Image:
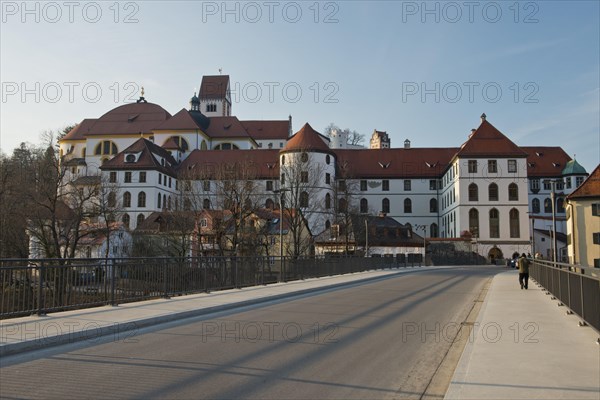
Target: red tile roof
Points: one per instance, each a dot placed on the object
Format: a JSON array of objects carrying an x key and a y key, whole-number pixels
[
  {"x": 180, "y": 121},
  {"x": 545, "y": 161},
  {"x": 129, "y": 119},
  {"x": 263, "y": 130},
  {"x": 307, "y": 139},
  {"x": 146, "y": 160},
  {"x": 226, "y": 127},
  {"x": 214, "y": 86},
  {"x": 590, "y": 188},
  {"x": 80, "y": 131},
  {"x": 487, "y": 141},
  {"x": 258, "y": 164},
  {"x": 394, "y": 163}
]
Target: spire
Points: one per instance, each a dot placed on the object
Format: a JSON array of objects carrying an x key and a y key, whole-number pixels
[
  {"x": 195, "y": 103},
  {"x": 483, "y": 117},
  {"x": 142, "y": 99}
]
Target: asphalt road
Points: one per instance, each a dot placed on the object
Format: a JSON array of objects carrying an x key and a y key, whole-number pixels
[{"x": 371, "y": 341}]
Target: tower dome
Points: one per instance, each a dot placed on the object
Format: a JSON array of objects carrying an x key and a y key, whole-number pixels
[{"x": 573, "y": 168}]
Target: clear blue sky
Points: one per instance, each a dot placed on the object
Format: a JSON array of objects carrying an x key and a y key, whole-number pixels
[{"x": 423, "y": 71}]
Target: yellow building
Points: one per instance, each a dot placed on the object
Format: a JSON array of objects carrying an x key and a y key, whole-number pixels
[{"x": 583, "y": 222}]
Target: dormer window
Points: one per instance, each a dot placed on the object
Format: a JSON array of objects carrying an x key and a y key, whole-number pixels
[{"x": 130, "y": 158}]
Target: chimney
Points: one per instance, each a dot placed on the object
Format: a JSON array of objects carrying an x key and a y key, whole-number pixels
[
  {"x": 407, "y": 144},
  {"x": 290, "y": 126}
]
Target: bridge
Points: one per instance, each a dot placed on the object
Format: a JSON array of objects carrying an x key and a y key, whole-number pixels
[{"x": 381, "y": 330}]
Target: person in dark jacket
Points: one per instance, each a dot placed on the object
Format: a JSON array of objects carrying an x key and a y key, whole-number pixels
[{"x": 523, "y": 263}]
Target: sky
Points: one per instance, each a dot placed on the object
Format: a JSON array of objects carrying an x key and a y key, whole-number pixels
[{"x": 423, "y": 71}]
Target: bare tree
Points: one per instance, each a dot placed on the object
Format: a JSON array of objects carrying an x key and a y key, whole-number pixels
[{"x": 354, "y": 138}]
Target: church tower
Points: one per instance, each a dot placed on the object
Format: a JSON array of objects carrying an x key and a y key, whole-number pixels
[{"x": 215, "y": 96}]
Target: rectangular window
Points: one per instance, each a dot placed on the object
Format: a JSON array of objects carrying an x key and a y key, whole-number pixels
[
  {"x": 203, "y": 223},
  {"x": 112, "y": 177},
  {"x": 596, "y": 209},
  {"x": 170, "y": 181},
  {"x": 492, "y": 166},
  {"x": 596, "y": 262},
  {"x": 407, "y": 185},
  {"x": 534, "y": 184},
  {"x": 327, "y": 179},
  {"x": 547, "y": 185},
  {"x": 512, "y": 165},
  {"x": 385, "y": 185},
  {"x": 342, "y": 185},
  {"x": 127, "y": 177},
  {"x": 206, "y": 186},
  {"x": 270, "y": 185},
  {"x": 160, "y": 179},
  {"x": 568, "y": 182},
  {"x": 560, "y": 185},
  {"x": 432, "y": 184},
  {"x": 578, "y": 181},
  {"x": 596, "y": 237},
  {"x": 283, "y": 179},
  {"x": 304, "y": 176},
  {"x": 363, "y": 186},
  {"x": 472, "y": 166},
  {"x": 142, "y": 176}
]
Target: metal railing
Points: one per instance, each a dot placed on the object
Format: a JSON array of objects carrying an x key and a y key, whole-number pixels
[
  {"x": 575, "y": 286},
  {"x": 48, "y": 285}
]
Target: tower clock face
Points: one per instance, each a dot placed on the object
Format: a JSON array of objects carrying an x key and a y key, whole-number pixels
[{"x": 130, "y": 158}]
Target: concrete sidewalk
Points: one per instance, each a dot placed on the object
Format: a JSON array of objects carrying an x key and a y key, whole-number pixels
[
  {"x": 27, "y": 333},
  {"x": 524, "y": 346}
]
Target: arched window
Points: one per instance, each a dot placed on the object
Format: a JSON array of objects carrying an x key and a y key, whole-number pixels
[
  {"x": 535, "y": 206},
  {"x": 494, "y": 223},
  {"x": 433, "y": 205},
  {"x": 141, "y": 199},
  {"x": 140, "y": 219},
  {"x": 407, "y": 206},
  {"x": 126, "y": 199},
  {"x": 169, "y": 202},
  {"x": 493, "y": 192},
  {"x": 203, "y": 145},
  {"x": 474, "y": 222},
  {"x": 327, "y": 159},
  {"x": 327, "y": 224},
  {"x": 164, "y": 201},
  {"x": 364, "y": 206},
  {"x": 179, "y": 141},
  {"x": 342, "y": 205},
  {"x": 514, "y": 223},
  {"x": 547, "y": 205},
  {"x": 226, "y": 146},
  {"x": 269, "y": 204},
  {"x": 159, "y": 202},
  {"x": 105, "y": 148},
  {"x": 327, "y": 201},
  {"x": 513, "y": 192},
  {"x": 125, "y": 220},
  {"x": 473, "y": 192},
  {"x": 112, "y": 199},
  {"x": 560, "y": 205},
  {"x": 303, "y": 199},
  {"x": 385, "y": 205},
  {"x": 433, "y": 230},
  {"x": 206, "y": 204}
]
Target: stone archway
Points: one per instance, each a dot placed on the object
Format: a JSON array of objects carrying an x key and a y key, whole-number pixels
[{"x": 495, "y": 254}]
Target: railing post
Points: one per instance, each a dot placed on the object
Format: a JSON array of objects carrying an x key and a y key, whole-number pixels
[
  {"x": 165, "y": 279},
  {"x": 40, "y": 310},
  {"x": 113, "y": 284}
]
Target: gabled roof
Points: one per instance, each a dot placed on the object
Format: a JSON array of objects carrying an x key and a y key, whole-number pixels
[
  {"x": 307, "y": 139},
  {"x": 185, "y": 120},
  {"x": 146, "y": 159},
  {"x": 210, "y": 164},
  {"x": 165, "y": 222},
  {"x": 487, "y": 141},
  {"x": 214, "y": 86},
  {"x": 393, "y": 163},
  {"x": 264, "y": 130},
  {"x": 590, "y": 188},
  {"x": 545, "y": 161},
  {"x": 226, "y": 127}
]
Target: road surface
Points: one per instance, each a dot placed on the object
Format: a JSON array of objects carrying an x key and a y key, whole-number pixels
[{"x": 378, "y": 340}]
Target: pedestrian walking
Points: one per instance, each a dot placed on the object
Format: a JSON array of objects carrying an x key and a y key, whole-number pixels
[{"x": 523, "y": 263}]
